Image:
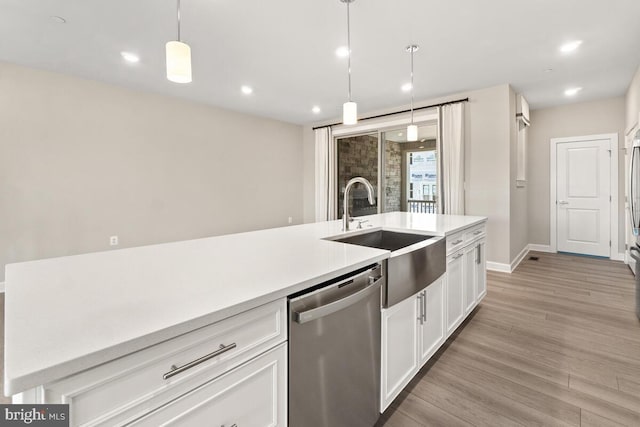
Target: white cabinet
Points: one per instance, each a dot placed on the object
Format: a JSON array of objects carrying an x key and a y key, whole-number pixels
[
  {"x": 481, "y": 270},
  {"x": 253, "y": 394},
  {"x": 412, "y": 331},
  {"x": 455, "y": 291},
  {"x": 399, "y": 347},
  {"x": 466, "y": 282},
  {"x": 137, "y": 385},
  {"x": 469, "y": 278},
  {"x": 431, "y": 329}
]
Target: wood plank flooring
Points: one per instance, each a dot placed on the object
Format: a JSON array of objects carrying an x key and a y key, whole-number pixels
[{"x": 556, "y": 343}]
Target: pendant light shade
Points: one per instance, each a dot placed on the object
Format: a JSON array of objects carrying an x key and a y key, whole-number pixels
[
  {"x": 350, "y": 113},
  {"x": 412, "y": 130},
  {"x": 178, "y": 62},
  {"x": 412, "y": 133},
  {"x": 178, "y": 58},
  {"x": 350, "y": 108}
]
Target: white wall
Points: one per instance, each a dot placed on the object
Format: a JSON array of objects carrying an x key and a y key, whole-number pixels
[
  {"x": 633, "y": 102},
  {"x": 487, "y": 170},
  {"x": 81, "y": 161},
  {"x": 587, "y": 118}
]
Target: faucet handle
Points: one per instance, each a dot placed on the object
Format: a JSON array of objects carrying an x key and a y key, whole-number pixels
[{"x": 362, "y": 221}]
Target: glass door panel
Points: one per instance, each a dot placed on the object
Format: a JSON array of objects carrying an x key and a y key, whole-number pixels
[
  {"x": 410, "y": 171},
  {"x": 357, "y": 156}
]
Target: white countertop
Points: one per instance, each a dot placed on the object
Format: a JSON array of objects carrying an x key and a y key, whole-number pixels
[{"x": 64, "y": 315}]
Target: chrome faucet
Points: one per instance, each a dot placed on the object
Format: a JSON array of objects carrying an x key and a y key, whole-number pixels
[{"x": 345, "y": 204}]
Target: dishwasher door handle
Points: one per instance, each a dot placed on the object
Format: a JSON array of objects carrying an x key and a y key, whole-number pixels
[{"x": 302, "y": 317}]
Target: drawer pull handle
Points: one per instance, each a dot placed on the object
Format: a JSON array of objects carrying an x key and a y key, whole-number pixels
[
  {"x": 477, "y": 232},
  {"x": 457, "y": 242},
  {"x": 457, "y": 256},
  {"x": 175, "y": 370}
]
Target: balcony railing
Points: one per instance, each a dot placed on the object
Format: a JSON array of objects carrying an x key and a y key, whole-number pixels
[{"x": 421, "y": 206}]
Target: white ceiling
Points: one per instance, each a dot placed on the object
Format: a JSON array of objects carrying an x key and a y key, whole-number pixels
[{"x": 285, "y": 49}]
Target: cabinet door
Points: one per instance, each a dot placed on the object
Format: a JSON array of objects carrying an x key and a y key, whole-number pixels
[
  {"x": 254, "y": 394},
  {"x": 454, "y": 286},
  {"x": 432, "y": 330},
  {"x": 469, "y": 278},
  {"x": 481, "y": 270},
  {"x": 399, "y": 348}
]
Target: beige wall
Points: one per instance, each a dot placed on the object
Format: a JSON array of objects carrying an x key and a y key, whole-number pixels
[
  {"x": 587, "y": 118},
  {"x": 518, "y": 201},
  {"x": 81, "y": 161},
  {"x": 487, "y": 168},
  {"x": 633, "y": 102}
]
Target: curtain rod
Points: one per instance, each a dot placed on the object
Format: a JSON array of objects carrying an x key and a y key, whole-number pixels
[{"x": 399, "y": 112}]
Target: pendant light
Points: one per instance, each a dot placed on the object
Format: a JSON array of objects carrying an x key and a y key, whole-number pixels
[
  {"x": 349, "y": 108},
  {"x": 178, "y": 58},
  {"x": 412, "y": 130}
]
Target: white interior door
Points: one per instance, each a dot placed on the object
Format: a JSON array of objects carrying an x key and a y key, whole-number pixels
[{"x": 584, "y": 197}]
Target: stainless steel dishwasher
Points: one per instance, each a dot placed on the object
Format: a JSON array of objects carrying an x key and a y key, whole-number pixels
[{"x": 334, "y": 352}]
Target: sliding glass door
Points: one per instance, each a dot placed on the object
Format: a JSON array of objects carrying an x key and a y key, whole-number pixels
[
  {"x": 357, "y": 156},
  {"x": 405, "y": 175},
  {"x": 410, "y": 171}
]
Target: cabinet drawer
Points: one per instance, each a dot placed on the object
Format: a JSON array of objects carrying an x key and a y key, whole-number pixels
[
  {"x": 474, "y": 233},
  {"x": 253, "y": 394},
  {"x": 131, "y": 386},
  {"x": 455, "y": 242}
]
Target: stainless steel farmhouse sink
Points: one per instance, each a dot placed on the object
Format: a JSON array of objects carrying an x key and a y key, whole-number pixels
[{"x": 416, "y": 260}]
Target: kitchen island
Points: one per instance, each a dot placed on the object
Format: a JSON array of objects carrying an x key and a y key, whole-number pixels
[{"x": 65, "y": 316}]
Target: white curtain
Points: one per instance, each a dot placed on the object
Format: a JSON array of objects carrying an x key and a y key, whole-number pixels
[
  {"x": 326, "y": 191},
  {"x": 451, "y": 148}
]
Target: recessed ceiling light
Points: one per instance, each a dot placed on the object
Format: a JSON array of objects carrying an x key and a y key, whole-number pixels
[
  {"x": 423, "y": 139},
  {"x": 247, "y": 90},
  {"x": 422, "y": 146},
  {"x": 573, "y": 91},
  {"x": 130, "y": 57},
  {"x": 571, "y": 46},
  {"x": 342, "y": 52},
  {"x": 315, "y": 109},
  {"x": 58, "y": 19},
  {"x": 406, "y": 87}
]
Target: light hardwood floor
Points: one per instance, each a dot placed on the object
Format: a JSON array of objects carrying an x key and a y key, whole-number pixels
[{"x": 557, "y": 342}]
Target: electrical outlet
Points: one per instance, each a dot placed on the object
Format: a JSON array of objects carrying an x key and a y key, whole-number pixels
[
  {"x": 113, "y": 240},
  {"x": 290, "y": 220}
]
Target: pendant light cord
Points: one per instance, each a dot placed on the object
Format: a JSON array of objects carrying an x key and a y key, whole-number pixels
[
  {"x": 348, "y": 47},
  {"x": 179, "y": 20},
  {"x": 412, "y": 50}
]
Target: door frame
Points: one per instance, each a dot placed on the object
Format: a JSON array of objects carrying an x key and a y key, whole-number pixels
[{"x": 614, "y": 209}]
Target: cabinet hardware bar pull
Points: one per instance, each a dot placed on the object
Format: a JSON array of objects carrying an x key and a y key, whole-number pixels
[
  {"x": 175, "y": 370},
  {"x": 478, "y": 255},
  {"x": 420, "y": 317},
  {"x": 457, "y": 242},
  {"x": 458, "y": 256},
  {"x": 424, "y": 306},
  {"x": 477, "y": 232}
]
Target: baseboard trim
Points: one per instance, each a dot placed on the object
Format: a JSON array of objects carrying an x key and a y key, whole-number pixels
[
  {"x": 499, "y": 267},
  {"x": 523, "y": 253},
  {"x": 619, "y": 257},
  {"x": 508, "y": 268},
  {"x": 540, "y": 248}
]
